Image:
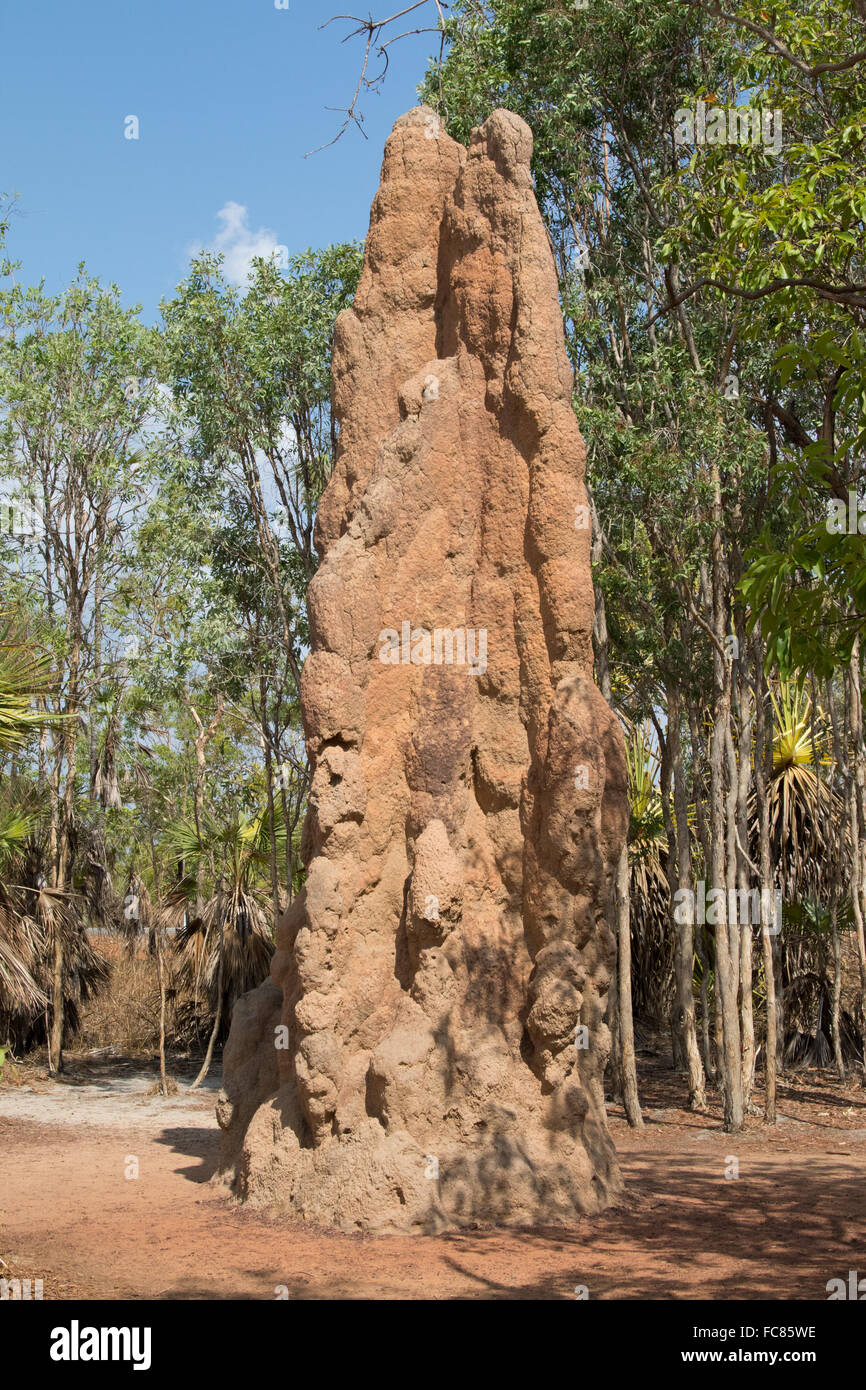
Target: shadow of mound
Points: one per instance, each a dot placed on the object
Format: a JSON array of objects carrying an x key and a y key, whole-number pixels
[{"x": 195, "y": 1142}]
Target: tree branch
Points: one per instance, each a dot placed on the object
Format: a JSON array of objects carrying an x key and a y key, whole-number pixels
[
  {"x": 810, "y": 69},
  {"x": 373, "y": 28},
  {"x": 836, "y": 294}
]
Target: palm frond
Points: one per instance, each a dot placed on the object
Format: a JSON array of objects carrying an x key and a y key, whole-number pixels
[
  {"x": 809, "y": 835},
  {"x": 25, "y": 677},
  {"x": 240, "y": 920},
  {"x": 21, "y": 941}
]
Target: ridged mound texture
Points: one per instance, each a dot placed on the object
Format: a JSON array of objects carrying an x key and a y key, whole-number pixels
[{"x": 429, "y": 1052}]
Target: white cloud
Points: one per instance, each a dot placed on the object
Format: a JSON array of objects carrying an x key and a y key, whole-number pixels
[{"x": 239, "y": 243}]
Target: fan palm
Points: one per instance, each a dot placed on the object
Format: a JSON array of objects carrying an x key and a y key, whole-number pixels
[
  {"x": 25, "y": 676},
  {"x": 31, "y": 914},
  {"x": 21, "y": 938},
  {"x": 241, "y": 920},
  {"x": 226, "y": 950}
]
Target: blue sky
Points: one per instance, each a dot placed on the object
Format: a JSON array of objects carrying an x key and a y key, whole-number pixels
[{"x": 229, "y": 95}]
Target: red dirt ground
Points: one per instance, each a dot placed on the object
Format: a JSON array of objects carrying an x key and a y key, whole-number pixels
[{"x": 793, "y": 1219}]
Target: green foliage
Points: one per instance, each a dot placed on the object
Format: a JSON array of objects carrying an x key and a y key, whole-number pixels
[
  {"x": 781, "y": 235},
  {"x": 177, "y": 471},
  {"x": 25, "y": 677}
]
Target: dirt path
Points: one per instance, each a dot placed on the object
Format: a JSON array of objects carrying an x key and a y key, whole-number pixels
[{"x": 793, "y": 1218}]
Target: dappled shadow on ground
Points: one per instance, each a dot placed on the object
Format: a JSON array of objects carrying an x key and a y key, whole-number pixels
[
  {"x": 662, "y": 1086},
  {"x": 800, "y": 1094},
  {"x": 793, "y": 1218},
  {"x": 779, "y": 1231},
  {"x": 769, "y": 1234}
]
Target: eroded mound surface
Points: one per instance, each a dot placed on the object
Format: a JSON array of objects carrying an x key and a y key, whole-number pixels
[{"x": 441, "y": 980}]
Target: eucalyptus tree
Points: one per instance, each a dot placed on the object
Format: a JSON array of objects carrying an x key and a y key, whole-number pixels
[
  {"x": 786, "y": 254},
  {"x": 78, "y": 388},
  {"x": 250, "y": 373}
]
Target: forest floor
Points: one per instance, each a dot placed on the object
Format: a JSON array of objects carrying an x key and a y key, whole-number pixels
[{"x": 793, "y": 1218}]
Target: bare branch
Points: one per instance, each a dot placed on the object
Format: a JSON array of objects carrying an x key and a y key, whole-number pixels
[{"x": 374, "y": 29}]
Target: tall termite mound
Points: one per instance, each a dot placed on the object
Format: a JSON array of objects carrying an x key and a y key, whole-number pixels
[{"x": 431, "y": 1046}]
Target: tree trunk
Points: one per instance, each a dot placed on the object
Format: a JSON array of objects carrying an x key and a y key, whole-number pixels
[
  {"x": 631, "y": 1101},
  {"x": 727, "y": 961},
  {"x": 208, "y": 1057},
  {"x": 836, "y": 996},
  {"x": 858, "y": 823},
  {"x": 63, "y": 863},
  {"x": 55, "y": 1041},
  {"x": 163, "y": 1083},
  {"x": 763, "y": 770},
  {"x": 709, "y": 1060},
  {"x": 615, "y": 1063},
  {"x": 623, "y": 1063},
  {"x": 744, "y": 768},
  {"x": 272, "y": 828},
  {"x": 706, "y": 1035},
  {"x": 842, "y": 766},
  {"x": 685, "y": 953},
  {"x": 202, "y": 739}
]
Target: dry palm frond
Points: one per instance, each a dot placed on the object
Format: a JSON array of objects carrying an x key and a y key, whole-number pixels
[
  {"x": 226, "y": 950},
  {"x": 804, "y": 984},
  {"x": 39, "y": 915},
  {"x": 247, "y": 945},
  {"x": 106, "y": 788},
  {"x": 93, "y": 878},
  {"x": 241, "y": 920},
  {"x": 20, "y": 935},
  {"x": 653, "y": 944},
  {"x": 25, "y": 676},
  {"x": 58, "y": 910},
  {"x": 21, "y": 941}
]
